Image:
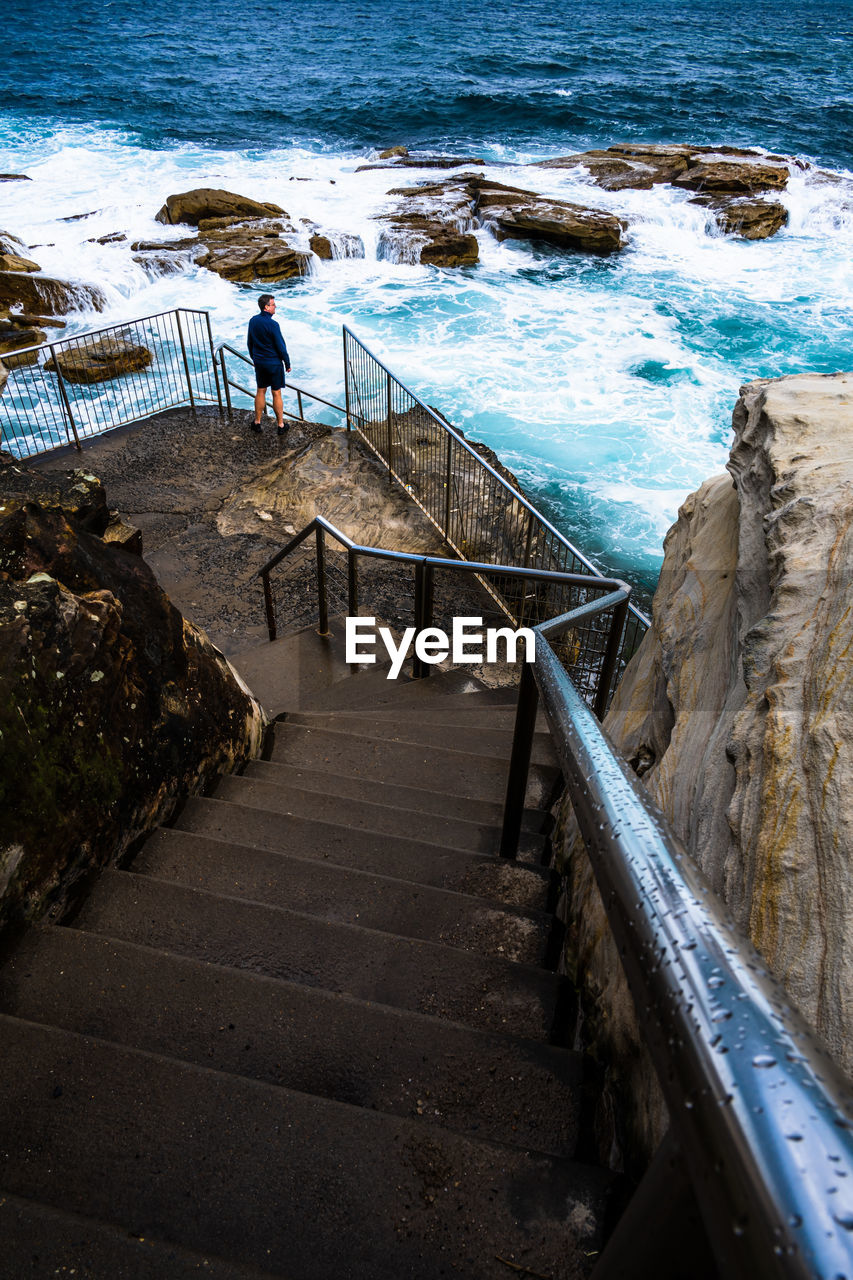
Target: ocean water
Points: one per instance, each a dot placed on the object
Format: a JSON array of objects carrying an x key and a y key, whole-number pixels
[{"x": 606, "y": 385}]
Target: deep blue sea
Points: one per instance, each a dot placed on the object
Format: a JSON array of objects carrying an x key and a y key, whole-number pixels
[{"x": 606, "y": 385}]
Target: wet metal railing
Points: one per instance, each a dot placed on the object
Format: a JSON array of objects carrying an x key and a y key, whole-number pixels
[
  {"x": 761, "y": 1124},
  {"x": 64, "y": 391},
  {"x": 478, "y": 512},
  {"x": 425, "y": 567}
]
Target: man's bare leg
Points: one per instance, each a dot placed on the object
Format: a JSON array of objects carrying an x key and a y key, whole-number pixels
[
  {"x": 261, "y": 402},
  {"x": 278, "y": 408}
]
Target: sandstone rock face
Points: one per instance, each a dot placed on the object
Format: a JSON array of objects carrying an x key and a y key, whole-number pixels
[
  {"x": 207, "y": 202},
  {"x": 725, "y": 177},
  {"x": 737, "y": 709},
  {"x": 435, "y": 221},
  {"x": 100, "y": 360},
  {"x": 12, "y": 262},
  {"x": 46, "y": 295},
  {"x": 111, "y": 705},
  {"x": 748, "y": 219},
  {"x": 13, "y": 337},
  {"x": 735, "y": 177}
]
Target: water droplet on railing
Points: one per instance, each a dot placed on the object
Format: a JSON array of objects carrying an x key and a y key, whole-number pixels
[
  {"x": 795, "y": 1220},
  {"x": 721, "y": 1015},
  {"x": 714, "y": 983},
  {"x": 764, "y": 1060},
  {"x": 844, "y": 1218}
]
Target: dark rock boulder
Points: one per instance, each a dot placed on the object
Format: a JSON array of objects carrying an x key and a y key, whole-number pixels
[
  {"x": 242, "y": 246},
  {"x": 44, "y": 294},
  {"x": 260, "y": 257},
  {"x": 402, "y": 158},
  {"x": 12, "y": 262},
  {"x": 15, "y": 177},
  {"x": 112, "y": 706},
  {"x": 207, "y": 202},
  {"x": 101, "y": 360}
]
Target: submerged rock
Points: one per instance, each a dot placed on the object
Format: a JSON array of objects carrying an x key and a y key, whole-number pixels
[
  {"x": 736, "y": 710},
  {"x": 208, "y": 202},
  {"x": 112, "y": 706},
  {"x": 100, "y": 360}
]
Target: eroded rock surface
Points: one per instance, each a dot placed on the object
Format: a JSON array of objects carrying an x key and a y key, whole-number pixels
[
  {"x": 727, "y": 179},
  {"x": 111, "y": 704},
  {"x": 737, "y": 710},
  {"x": 433, "y": 222},
  {"x": 100, "y": 359}
]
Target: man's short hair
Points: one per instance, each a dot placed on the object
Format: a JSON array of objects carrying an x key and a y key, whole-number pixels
[{"x": 264, "y": 299}]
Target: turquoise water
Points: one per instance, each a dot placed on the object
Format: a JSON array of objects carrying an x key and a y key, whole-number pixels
[{"x": 608, "y": 386}]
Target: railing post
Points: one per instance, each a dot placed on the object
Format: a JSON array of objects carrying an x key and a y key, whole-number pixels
[
  {"x": 299, "y": 405},
  {"x": 213, "y": 361},
  {"x": 424, "y": 582},
  {"x": 321, "y": 581},
  {"x": 389, "y": 429},
  {"x": 448, "y": 484},
  {"x": 184, "y": 354},
  {"x": 269, "y": 605},
  {"x": 225, "y": 382},
  {"x": 352, "y": 584},
  {"x": 608, "y": 662},
  {"x": 528, "y": 541},
  {"x": 519, "y": 765},
  {"x": 66, "y": 403},
  {"x": 346, "y": 383}
]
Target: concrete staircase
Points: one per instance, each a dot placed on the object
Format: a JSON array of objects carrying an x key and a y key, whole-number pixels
[{"x": 312, "y": 1028}]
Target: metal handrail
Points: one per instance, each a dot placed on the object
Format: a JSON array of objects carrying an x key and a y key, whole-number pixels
[
  {"x": 525, "y": 524},
  {"x": 761, "y": 1116},
  {"x": 426, "y": 566},
  {"x": 228, "y": 383},
  {"x": 44, "y": 407}
]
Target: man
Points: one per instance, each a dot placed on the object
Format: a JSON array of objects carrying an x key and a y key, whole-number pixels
[{"x": 267, "y": 349}]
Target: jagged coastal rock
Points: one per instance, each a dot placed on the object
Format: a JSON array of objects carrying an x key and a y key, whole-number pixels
[
  {"x": 23, "y": 286},
  {"x": 721, "y": 177},
  {"x": 101, "y": 360},
  {"x": 112, "y": 705},
  {"x": 433, "y": 222},
  {"x": 737, "y": 709}
]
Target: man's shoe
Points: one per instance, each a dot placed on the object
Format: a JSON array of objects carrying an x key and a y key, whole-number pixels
[
  {"x": 256, "y": 426},
  {"x": 282, "y": 431}
]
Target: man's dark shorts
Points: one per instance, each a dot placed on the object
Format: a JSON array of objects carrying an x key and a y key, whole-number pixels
[{"x": 270, "y": 375}]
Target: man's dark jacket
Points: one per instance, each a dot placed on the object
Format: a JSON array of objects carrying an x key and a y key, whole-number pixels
[{"x": 265, "y": 343}]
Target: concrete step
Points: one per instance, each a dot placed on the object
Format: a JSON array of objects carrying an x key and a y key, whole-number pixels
[
  {"x": 458, "y": 773},
  {"x": 290, "y": 1184},
  {"x": 479, "y": 991},
  {"x": 347, "y": 896},
  {"x": 39, "y": 1241},
  {"x": 408, "y": 726},
  {"x": 361, "y": 815},
  {"x": 414, "y": 799},
  {"x": 516, "y": 884},
  {"x": 514, "y": 1091},
  {"x": 442, "y": 688},
  {"x": 468, "y": 711}
]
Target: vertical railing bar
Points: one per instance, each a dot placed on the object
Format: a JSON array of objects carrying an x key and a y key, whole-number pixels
[
  {"x": 519, "y": 765},
  {"x": 184, "y": 354},
  {"x": 321, "y": 581},
  {"x": 65, "y": 401},
  {"x": 269, "y": 604},
  {"x": 213, "y": 361},
  {"x": 352, "y": 584}
]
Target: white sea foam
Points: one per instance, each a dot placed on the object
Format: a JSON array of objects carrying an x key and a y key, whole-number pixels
[{"x": 609, "y": 384}]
